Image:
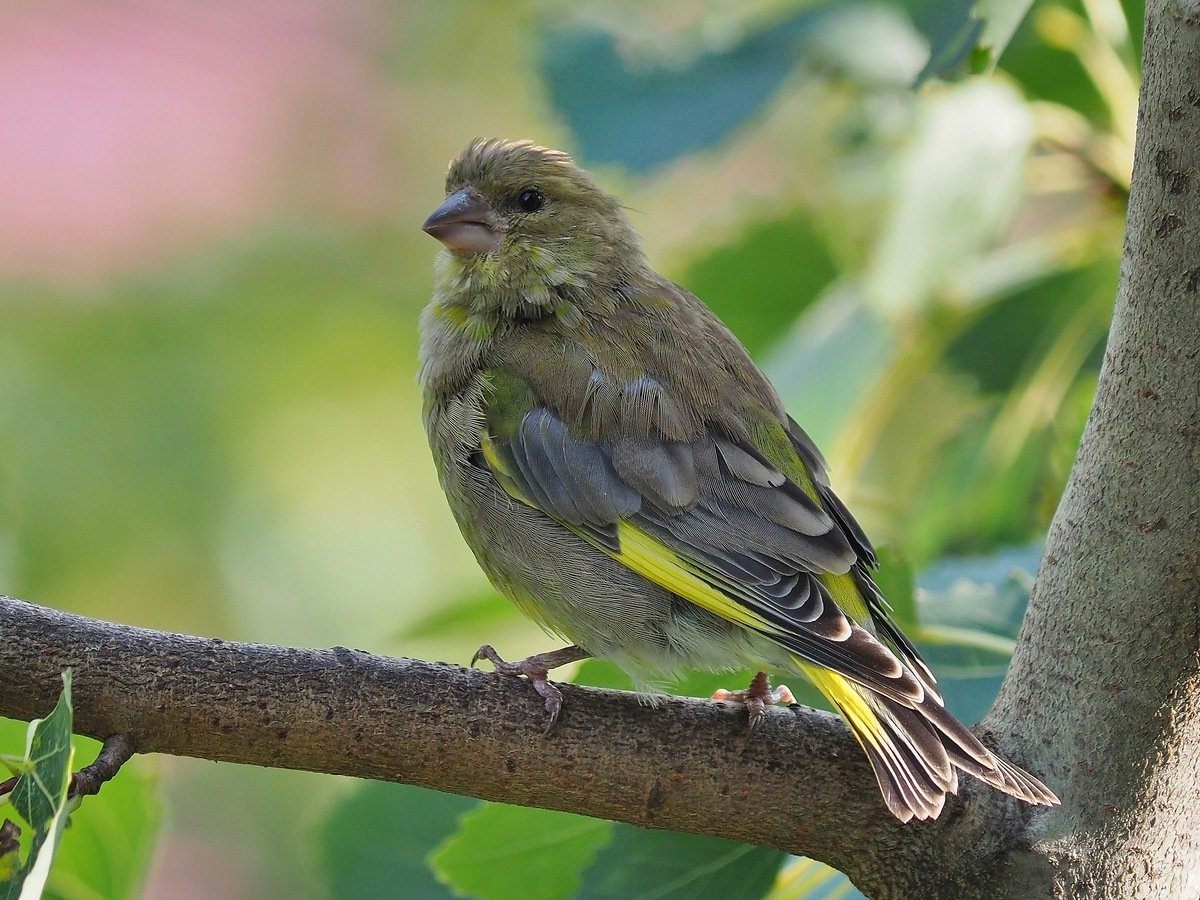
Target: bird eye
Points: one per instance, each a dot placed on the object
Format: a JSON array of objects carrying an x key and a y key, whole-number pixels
[{"x": 531, "y": 200}]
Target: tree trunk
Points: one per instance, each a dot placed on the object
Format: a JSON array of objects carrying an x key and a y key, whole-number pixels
[
  {"x": 1105, "y": 685},
  {"x": 1103, "y": 694}
]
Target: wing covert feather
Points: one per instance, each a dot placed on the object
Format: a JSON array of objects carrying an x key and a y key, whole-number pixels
[{"x": 717, "y": 512}]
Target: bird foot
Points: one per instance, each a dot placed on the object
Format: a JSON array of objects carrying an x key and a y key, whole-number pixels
[
  {"x": 535, "y": 670},
  {"x": 757, "y": 697}
]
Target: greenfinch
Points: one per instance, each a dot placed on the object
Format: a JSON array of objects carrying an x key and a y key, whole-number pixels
[{"x": 627, "y": 476}]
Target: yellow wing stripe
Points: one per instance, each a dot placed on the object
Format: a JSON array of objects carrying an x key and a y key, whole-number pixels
[
  {"x": 657, "y": 562},
  {"x": 649, "y": 557},
  {"x": 848, "y": 698}
]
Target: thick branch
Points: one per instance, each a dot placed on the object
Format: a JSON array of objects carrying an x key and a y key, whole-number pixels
[
  {"x": 1110, "y": 648},
  {"x": 799, "y": 783}
]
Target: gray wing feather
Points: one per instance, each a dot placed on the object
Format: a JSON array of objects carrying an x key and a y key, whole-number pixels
[{"x": 760, "y": 539}]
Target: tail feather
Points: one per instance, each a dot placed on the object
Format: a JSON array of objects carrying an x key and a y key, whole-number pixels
[
  {"x": 916, "y": 751},
  {"x": 905, "y": 758},
  {"x": 968, "y": 754}
]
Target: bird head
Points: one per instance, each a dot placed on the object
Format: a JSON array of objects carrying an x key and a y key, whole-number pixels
[{"x": 521, "y": 221}]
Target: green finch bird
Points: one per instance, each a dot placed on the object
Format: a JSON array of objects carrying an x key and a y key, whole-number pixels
[{"x": 628, "y": 477}]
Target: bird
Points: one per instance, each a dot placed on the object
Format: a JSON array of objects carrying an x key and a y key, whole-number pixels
[{"x": 629, "y": 478}]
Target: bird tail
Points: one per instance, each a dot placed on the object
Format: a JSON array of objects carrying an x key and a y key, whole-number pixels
[{"x": 916, "y": 751}]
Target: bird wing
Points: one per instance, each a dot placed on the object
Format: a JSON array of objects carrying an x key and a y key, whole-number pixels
[{"x": 739, "y": 521}]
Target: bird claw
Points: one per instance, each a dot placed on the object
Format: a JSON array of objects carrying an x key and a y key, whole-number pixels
[
  {"x": 757, "y": 697},
  {"x": 533, "y": 671},
  {"x": 554, "y": 700}
]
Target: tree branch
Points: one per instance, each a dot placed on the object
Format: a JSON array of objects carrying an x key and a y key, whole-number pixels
[
  {"x": 798, "y": 783},
  {"x": 117, "y": 750}
]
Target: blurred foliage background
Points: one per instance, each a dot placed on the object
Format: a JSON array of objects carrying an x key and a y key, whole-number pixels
[{"x": 210, "y": 276}]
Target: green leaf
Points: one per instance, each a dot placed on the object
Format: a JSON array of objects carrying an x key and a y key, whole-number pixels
[
  {"x": 377, "y": 840},
  {"x": 1135, "y": 18},
  {"x": 40, "y": 796},
  {"x": 1004, "y": 577},
  {"x": 767, "y": 276},
  {"x": 107, "y": 851},
  {"x": 482, "y": 611},
  {"x": 666, "y": 865},
  {"x": 10, "y": 850},
  {"x": 692, "y": 682},
  {"x": 603, "y": 674},
  {"x": 642, "y": 116},
  {"x": 967, "y": 35},
  {"x": 897, "y": 582},
  {"x": 954, "y": 35},
  {"x": 807, "y": 879},
  {"x": 958, "y": 184},
  {"x": 829, "y": 361},
  {"x": 971, "y": 609},
  {"x": 874, "y": 45},
  {"x": 502, "y": 851},
  {"x": 1015, "y": 331}
]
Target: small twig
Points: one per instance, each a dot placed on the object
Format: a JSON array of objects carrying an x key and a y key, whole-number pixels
[{"x": 117, "y": 750}]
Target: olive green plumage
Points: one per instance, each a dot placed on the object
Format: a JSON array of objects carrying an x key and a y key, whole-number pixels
[{"x": 628, "y": 477}]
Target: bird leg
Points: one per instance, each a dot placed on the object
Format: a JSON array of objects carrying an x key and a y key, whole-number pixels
[
  {"x": 536, "y": 670},
  {"x": 757, "y": 697}
]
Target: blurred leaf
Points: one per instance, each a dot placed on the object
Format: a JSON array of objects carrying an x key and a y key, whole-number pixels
[
  {"x": 1135, "y": 17},
  {"x": 958, "y": 184},
  {"x": 603, "y": 674},
  {"x": 1004, "y": 577},
  {"x": 644, "y": 116},
  {"x": 807, "y": 879},
  {"x": 832, "y": 356},
  {"x": 762, "y": 280},
  {"x": 108, "y": 847},
  {"x": 692, "y": 682},
  {"x": 473, "y": 613},
  {"x": 972, "y": 608},
  {"x": 899, "y": 442},
  {"x": 502, "y": 851},
  {"x": 1049, "y": 72},
  {"x": 897, "y": 582},
  {"x": 967, "y": 35},
  {"x": 1001, "y": 19},
  {"x": 1012, "y": 332},
  {"x": 980, "y": 470},
  {"x": 40, "y": 796},
  {"x": 667, "y": 865},
  {"x": 873, "y": 45},
  {"x": 959, "y": 507},
  {"x": 377, "y": 840},
  {"x": 1036, "y": 404}
]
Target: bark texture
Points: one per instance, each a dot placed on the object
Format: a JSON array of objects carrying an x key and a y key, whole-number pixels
[
  {"x": 687, "y": 765},
  {"x": 1103, "y": 696},
  {"x": 1109, "y": 654}
]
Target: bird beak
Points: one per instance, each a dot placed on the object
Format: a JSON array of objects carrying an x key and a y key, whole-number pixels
[{"x": 465, "y": 222}]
